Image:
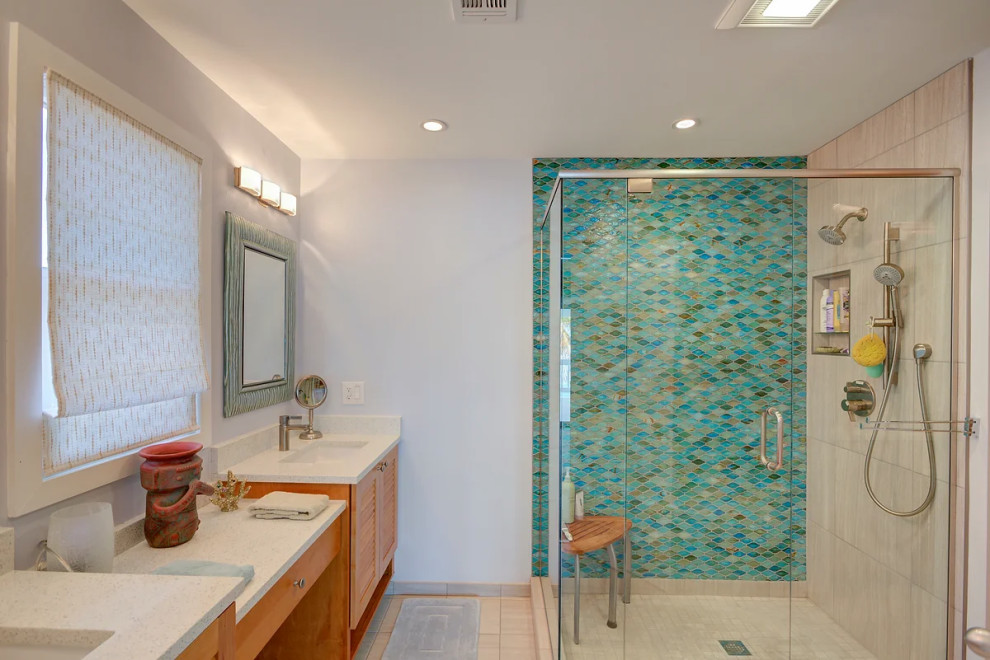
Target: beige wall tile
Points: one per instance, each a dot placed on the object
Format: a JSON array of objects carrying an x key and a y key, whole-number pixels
[
  {"x": 820, "y": 567},
  {"x": 861, "y": 143},
  {"x": 944, "y": 98},
  {"x": 901, "y": 155},
  {"x": 945, "y": 145},
  {"x": 898, "y": 123},
  {"x": 823, "y": 158},
  {"x": 926, "y": 625},
  {"x": 821, "y": 484}
]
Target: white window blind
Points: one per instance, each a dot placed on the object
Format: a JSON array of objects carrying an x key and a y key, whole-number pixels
[{"x": 124, "y": 283}]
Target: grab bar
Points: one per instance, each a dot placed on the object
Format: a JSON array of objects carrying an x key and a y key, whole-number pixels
[{"x": 773, "y": 466}]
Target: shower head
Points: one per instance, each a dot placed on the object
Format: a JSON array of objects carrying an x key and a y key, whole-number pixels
[
  {"x": 922, "y": 352},
  {"x": 888, "y": 274},
  {"x": 833, "y": 234}
]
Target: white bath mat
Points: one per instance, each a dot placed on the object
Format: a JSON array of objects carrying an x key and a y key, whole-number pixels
[{"x": 435, "y": 629}]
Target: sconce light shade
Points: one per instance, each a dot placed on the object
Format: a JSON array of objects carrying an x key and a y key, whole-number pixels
[
  {"x": 288, "y": 204},
  {"x": 271, "y": 193},
  {"x": 248, "y": 180}
]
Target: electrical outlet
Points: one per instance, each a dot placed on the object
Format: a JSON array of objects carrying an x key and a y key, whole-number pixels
[{"x": 353, "y": 393}]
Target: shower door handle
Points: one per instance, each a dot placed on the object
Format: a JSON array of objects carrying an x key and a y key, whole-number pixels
[
  {"x": 773, "y": 466},
  {"x": 978, "y": 641}
]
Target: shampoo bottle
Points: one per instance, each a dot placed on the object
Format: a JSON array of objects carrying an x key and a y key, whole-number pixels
[{"x": 567, "y": 499}]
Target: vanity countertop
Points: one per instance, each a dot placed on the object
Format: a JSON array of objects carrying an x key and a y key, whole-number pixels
[
  {"x": 273, "y": 465},
  {"x": 236, "y": 537},
  {"x": 145, "y": 616},
  {"x": 141, "y": 616},
  {"x": 255, "y": 456}
]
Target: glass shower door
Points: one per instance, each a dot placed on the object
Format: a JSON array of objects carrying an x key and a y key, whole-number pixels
[{"x": 675, "y": 330}]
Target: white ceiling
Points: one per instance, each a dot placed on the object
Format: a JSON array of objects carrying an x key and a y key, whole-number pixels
[{"x": 355, "y": 78}]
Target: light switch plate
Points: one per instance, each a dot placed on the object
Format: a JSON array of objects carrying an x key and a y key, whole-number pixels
[{"x": 353, "y": 392}]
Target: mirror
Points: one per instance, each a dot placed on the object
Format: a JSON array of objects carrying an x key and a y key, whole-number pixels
[
  {"x": 259, "y": 317},
  {"x": 311, "y": 392},
  {"x": 264, "y": 318}
]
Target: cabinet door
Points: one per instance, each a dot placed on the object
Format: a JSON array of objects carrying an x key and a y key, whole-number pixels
[
  {"x": 388, "y": 510},
  {"x": 364, "y": 543}
]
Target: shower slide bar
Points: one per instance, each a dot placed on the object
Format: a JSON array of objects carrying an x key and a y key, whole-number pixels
[{"x": 967, "y": 427}]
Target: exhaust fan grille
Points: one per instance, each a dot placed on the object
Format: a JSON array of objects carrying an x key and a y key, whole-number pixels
[
  {"x": 484, "y": 11},
  {"x": 738, "y": 16}
]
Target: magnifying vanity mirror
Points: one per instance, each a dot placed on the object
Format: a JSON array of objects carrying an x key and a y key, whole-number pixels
[
  {"x": 311, "y": 393},
  {"x": 259, "y": 309}
]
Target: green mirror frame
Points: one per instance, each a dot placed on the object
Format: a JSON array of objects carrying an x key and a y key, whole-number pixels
[{"x": 241, "y": 235}]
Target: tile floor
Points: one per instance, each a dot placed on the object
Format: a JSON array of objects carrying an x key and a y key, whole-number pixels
[
  {"x": 506, "y": 628},
  {"x": 690, "y": 627}
]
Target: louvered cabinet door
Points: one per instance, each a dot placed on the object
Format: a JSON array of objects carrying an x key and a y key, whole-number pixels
[
  {"x": 364, "y": 543},
  {"x": 388, "y": 501}
]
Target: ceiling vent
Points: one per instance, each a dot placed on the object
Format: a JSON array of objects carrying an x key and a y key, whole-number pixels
[
  {"x": 748, "y": 14},
  {"x": 484, "y": 11}
]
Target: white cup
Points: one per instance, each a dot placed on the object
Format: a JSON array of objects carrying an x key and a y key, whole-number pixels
[{"x": 82, "y": 535}]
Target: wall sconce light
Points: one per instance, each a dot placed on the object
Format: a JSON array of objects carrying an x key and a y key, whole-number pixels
[
  {"x": 288, "y": 204},
  {"x": 271, "y": 193},
  {"x": 267, "y": 192},
  {"x": 248, "y": 180}
]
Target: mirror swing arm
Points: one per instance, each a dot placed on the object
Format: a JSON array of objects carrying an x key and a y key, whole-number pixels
[{"x": 238, "y": 396}]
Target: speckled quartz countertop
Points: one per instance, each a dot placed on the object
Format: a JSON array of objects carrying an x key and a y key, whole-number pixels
[
  {"x": 138, "y": 616},
  {"x": 132, "y": 614},
  {"x": 376, "y": 435},
  {"x": 271, "y": 546}
]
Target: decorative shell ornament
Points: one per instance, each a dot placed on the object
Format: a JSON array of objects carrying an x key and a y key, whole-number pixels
[
  {"x": 228, "y": 492},
  {"x": 870, "y": 351}
]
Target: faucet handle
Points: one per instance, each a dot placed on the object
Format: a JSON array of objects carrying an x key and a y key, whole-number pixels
[{"x": 285, "y": 419}]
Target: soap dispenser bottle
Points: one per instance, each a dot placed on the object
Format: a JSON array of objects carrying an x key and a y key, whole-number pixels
[{"x": 567, "y": 499}]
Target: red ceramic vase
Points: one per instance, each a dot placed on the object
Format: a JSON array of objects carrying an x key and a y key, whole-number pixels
[{"x": 170, "y": 474}]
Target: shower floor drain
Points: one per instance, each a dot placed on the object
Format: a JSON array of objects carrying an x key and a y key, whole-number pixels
[{"x": 734, "y": 647}]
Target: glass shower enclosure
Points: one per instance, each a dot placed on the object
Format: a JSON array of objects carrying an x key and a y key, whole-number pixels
[{"x": 704, "y": 432}]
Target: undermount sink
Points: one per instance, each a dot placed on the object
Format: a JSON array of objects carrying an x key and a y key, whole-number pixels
[
  {"x": 325, "y": 451},
  {"x": 43, "y": 644}
]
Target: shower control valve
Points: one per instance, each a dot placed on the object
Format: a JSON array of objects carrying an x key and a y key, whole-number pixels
[{"x": 860, "y": 399}]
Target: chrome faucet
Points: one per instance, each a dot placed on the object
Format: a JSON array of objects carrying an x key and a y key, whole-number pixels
[{"x": 284, "y": 427}]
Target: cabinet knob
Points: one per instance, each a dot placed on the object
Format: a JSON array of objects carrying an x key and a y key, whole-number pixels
[
  {"x": 382, "y": 466},
  {"x": 301, "y": 583}
]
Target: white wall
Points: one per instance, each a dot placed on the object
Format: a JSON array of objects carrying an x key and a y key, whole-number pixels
[
  {"x": 418, "y": 280},
  {"x": 979, "y": 466},
  {"x": 109, "y": 38}
]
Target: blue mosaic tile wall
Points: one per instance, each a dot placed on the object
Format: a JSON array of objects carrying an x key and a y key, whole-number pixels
[{"x": 685, "y": 319}]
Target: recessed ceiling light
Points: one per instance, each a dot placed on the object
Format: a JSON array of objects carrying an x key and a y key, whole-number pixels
[
  {"x": 434, "y": 125},
  {"x": 685, "y": 123},
  {"x": 789, "y": 8}
]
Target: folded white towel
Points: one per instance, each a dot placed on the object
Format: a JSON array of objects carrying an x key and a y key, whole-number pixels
[{"x": 294, "y": 506}]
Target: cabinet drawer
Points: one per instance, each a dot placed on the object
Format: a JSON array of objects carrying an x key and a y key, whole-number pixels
[{"x": 258, "y": 625}]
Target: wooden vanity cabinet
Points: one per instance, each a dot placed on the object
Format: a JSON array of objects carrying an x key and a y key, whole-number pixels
[
  {"x": 373, "y": 532},
  {"x": 372, "y": 518},
  {"x": 214, "y": 643}
]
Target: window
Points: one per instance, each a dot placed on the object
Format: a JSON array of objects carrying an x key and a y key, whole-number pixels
[
  {"x": 122, "y": 242},
  {"x": 118, "y": 288}
]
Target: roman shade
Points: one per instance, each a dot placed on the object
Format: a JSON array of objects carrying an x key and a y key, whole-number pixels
[{"x": 123, "y": 207}]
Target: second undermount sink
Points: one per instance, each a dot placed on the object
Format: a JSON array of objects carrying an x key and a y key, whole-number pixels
[
  {"x": 327, "y": 451},
  {"x": 40, "y": 644}
]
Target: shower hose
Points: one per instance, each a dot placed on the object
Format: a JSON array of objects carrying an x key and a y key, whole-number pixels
[{"x": 924, "y": 418}]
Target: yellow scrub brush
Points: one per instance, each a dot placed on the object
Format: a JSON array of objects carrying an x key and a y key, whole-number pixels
[{"x": 870, "y": 351}]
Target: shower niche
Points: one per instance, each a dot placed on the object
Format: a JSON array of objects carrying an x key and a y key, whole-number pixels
[{"x": 830, "y": 302}]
